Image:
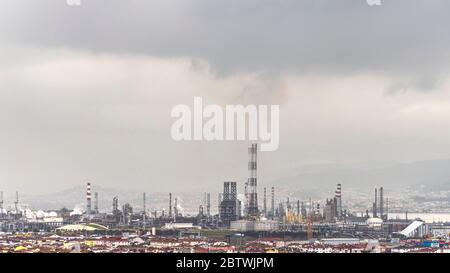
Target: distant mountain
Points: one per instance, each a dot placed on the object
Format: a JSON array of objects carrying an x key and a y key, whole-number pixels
[
  {"x": 76, "y": 198},
  {"x": 431, "y": 174},
  {"x": 307, "y": 181}
]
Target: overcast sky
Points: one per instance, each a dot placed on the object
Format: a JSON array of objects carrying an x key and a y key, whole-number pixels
[{"x": 86, "y": 92}]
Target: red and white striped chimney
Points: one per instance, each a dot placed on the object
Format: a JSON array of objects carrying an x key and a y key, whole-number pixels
[{"x": 88, "y": 198}]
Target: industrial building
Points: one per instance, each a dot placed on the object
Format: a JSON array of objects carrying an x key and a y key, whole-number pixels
[
  {"x": 81, "y": 227},
  {"x": 378, "y": 207},
  {"x": 301, "y": 219},
  {"x": 417, "y": 229},
  {"x": 230, "y": 206},
  {"x": 250, "y": 225}
]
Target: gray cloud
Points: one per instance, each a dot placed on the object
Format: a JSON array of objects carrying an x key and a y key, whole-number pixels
[
  {"x": 86, "y": 92},
  {"x": 422, "y": 83},
  {"x": 408, "y": 37}
]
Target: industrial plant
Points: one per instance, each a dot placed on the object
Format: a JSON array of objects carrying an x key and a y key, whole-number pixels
[{"x": 237, "y": 223}]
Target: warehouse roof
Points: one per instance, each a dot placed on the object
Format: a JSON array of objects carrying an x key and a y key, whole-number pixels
[{"x": 82, "y": 227}]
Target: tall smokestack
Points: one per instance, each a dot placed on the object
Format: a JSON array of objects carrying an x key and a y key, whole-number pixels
[
  {"x": 115, "y": 205},
  {"x": 381, "y": 203},
  {"x": 88, "y": 199},
  {"x": 272, "y": 201},
  {"x": 144, "y": 202},
  {"x": 204, "y": 201},
  {"x": 208, "y": 204},
  {"x": 219, "y": 201},
  {"x": 265, "y": 203},
  {"x": 251, "y": 185},
  {"x": 16, "y": 203},
  {"x": 375, "y": 214},
  {"x": 338, "y": 195},
  {"x": 144, "y": 209},
  {"x": 170, "y": 205},
  {"x": 96, "y": 202},
  {"x": 175, "y": 210}
]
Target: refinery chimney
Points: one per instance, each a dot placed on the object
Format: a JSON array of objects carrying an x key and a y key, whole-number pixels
[
  {"x": 144, "y": 201},
  {"x": 88, "y": 199},
  {"x": 175, "y": 210},
  {"x": 251, "y": 185},
  {"x": 375, "y": 214},
  {"x": 272, "y": 202},
  {"x": 96, "y": 203},
  {"x": 144, "y": 209},
  {"x": 219, "y": 201},
  {"x": 381, "y": 203},
  {"x": 16, "y": 203},
  {"x": 338, "y": 195},
  {"x": 208, "y": 204},
  {"x": 115, "y": 205},
  {"x": 265, "y": 203},
  {"x": 170, "y": 205}
]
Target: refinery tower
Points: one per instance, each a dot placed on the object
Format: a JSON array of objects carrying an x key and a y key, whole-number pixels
[
  {"x": 251, "y": 184},
  {"x": 88, "y": 200}
]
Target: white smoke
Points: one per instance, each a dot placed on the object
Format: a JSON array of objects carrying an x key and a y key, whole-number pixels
[
  {"x": 77, "y": 210},
  {"x": 180, "y": 209}
]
